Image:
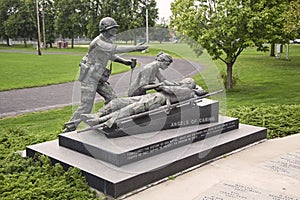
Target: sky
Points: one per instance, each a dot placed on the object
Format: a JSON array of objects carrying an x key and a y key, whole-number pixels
[{"x": 164, "y": 8}]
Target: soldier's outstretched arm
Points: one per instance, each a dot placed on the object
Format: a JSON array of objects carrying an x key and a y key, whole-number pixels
[{"x": 125, "y": 49}]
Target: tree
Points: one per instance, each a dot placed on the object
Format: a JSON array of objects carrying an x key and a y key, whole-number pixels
[
  {"x": 70, "y": 18},
  {"x": 224, "y": 27},
  {"x": 7, "y": 8},
  {"x": 271, "y": 12},
  {"x": 291, "y": 19},
  {"x": 119, "y": 10},
  {"x": 139, "y": 16},
  {"x": 129, "y": 14},
  {"x": 49, "y": 17},
  {"x": 20, "y": 20}
]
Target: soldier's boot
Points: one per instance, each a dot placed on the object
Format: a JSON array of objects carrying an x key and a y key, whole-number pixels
[{"x": 69, "y": 127}]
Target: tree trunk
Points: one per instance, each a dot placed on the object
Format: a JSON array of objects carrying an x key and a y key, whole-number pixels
[
  {"x": 7, "y": 40},
  {"x": 229, "y": 76},
  {"x": 25, "y": 42},
  {"x": 272, "y": 51},
  {"x": 72, "y": 41}
]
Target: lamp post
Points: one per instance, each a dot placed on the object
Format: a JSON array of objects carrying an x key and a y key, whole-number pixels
[
  {"x": 147, "y": 25},
  {"x": 38, "y": 28},
  {"x": 44, "y": 31}
]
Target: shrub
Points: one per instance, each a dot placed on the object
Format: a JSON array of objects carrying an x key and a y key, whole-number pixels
[{"x": 280, "y": 120}]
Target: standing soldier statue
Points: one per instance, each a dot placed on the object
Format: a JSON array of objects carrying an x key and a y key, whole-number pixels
[{"x": 93, "y": 72}]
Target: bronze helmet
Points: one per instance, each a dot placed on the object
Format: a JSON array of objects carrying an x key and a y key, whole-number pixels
[{"x": 107, "y": 23}]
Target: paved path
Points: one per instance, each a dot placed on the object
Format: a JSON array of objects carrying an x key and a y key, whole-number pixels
[
  {"x": 21, "y": 101},
  {"x": 267, "y": 171}
]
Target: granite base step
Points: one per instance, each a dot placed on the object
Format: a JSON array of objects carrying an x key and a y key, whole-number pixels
[
  {"x": 116, "y": 181},
  {"x": 124, "y": 150}
]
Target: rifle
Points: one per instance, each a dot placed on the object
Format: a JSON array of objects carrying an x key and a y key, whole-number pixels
[{"x": 167, "y": 109}]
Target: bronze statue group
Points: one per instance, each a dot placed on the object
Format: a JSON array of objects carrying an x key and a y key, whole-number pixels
[{"x": 94, "y": 76}]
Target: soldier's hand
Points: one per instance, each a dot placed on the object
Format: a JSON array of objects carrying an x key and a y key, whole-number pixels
[
  {"x": 133, "y": 63},
  {"x": 128, "y": 62}
]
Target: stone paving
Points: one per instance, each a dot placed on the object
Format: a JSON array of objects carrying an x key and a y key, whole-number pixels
[{"x": 266, "y": 171}]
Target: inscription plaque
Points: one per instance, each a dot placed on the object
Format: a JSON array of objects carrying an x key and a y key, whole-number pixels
[
  {"x": 288, "y": 164},
  {"x": 179, "y": 141},
  {"x": 237, "y": 191},
  {"x": 137, "y": 149}
]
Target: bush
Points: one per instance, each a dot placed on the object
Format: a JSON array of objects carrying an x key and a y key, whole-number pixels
[
  {"x": 280, "y": 120},
  {"x": 28, "y": 179},
  {"x": 25, "y": 178}
]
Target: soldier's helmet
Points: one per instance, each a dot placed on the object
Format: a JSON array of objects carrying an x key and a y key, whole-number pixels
[
  {"x": 164, "y": 57},
  {"x": 107, "y": 23}
]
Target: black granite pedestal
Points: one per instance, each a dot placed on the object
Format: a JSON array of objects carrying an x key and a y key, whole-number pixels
[
  {"x": 186, "y": 114},
  {"x": 124, "y": 150},
  {"x": 120, "y": 165}
]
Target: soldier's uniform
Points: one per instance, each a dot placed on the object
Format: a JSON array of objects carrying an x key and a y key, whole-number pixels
[
  {"x": 148, "y": 75},
  {"x": 94, "y": 74},
  {"x": 123, "y": 107}
]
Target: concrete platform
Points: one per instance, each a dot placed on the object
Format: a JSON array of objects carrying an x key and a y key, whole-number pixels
[
  {"x": 262, "y": 168},
  {"x": 117, "y": 181}
]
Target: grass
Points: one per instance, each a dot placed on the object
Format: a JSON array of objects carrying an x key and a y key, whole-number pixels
[
  {"x": 23, "y": 70},
  {"x": 265, "y": 79},
  {"x": 267, "y": 95}
]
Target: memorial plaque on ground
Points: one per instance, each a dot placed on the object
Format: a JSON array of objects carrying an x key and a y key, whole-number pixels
[
  {"x": 237, "y": 191},
  {"x": 288, "y": 164}
]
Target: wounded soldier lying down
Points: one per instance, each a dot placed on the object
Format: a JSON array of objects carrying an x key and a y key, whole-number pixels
[{"x": 127, "y": 106}]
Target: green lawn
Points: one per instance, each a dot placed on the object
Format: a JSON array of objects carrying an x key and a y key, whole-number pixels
[
  {"x": 265, "y": 79},
  {"x": 267, "y": 95},
  {"x": 23, "y": 70},
  {"x": 262, "y": 79}
]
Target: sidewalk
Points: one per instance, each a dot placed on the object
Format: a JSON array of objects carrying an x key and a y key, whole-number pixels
[
  {"x": 16, "y": 102},
  {"x": 266, "y": 171}
]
